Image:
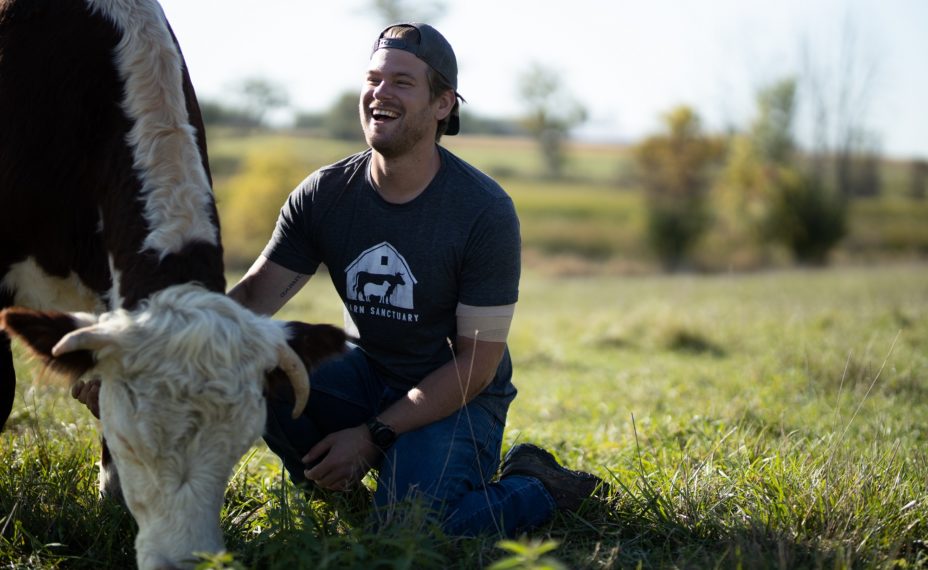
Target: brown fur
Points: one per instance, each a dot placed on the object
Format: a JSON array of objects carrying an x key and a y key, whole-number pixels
[
  {"x": 41, "y": 331},
  {"x": 314, "y": 344},
  {"x": 66, "y": 169}
]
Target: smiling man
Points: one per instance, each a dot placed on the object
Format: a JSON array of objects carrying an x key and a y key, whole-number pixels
[{"x": 424, "y": 251}]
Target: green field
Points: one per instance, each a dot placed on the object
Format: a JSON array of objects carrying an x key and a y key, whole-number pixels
[
  {"x": 590, "y": 222},
  {"x": 768, "y": 420}
]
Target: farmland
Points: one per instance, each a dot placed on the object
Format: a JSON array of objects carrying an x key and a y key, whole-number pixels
[{"x": 763, "y": 419}]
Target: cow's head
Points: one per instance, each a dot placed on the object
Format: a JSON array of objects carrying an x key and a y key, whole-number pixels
[{"x": 181, "y": 400}]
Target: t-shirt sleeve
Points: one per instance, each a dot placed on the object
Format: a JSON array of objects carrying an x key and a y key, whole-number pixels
[
  {"x": 292, "y": 245},
  {"x": 492, "y": 259}
]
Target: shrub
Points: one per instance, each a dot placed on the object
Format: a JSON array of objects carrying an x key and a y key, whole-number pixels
[
  {"x": 253, "y": 200},
  {"x": 674, "y": 169},
  {"x": 808, "y": 218}
]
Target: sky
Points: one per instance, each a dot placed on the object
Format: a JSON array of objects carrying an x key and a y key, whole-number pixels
[{"x": 626, "y": 61}]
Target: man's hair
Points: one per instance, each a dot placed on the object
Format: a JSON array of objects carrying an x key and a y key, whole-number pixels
[{"x": 437, "y": 83}]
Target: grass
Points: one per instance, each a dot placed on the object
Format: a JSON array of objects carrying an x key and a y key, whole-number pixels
[{"x": 770, "y": 420}]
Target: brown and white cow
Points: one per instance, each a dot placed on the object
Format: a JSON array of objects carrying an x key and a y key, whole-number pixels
[{"x": 106, "y": 207}]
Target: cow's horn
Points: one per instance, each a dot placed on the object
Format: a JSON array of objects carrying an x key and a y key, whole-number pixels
[
  {"x": 87, "y": 338},
  {"x": 293, "y": 367}
]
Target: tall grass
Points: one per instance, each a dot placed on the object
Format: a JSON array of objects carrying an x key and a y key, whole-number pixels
[{"x": 773, "y": 420}]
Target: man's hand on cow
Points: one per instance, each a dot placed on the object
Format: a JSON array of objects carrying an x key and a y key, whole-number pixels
[
  {"x": 343, "y": 459},
  {"x": 88, "y": 393}
]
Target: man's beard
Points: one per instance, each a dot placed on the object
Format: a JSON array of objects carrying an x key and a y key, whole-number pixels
[{"x": 399, "y": 142}]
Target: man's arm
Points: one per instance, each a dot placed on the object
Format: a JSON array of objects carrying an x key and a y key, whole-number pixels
[
  {"x": 267, "y": 286},
  {"x": 447, "y": 389},
  {"x": 347, "y": 455}
]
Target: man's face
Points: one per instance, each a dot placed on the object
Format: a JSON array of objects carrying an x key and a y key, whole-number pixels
[{"x": 395, "y": 110}]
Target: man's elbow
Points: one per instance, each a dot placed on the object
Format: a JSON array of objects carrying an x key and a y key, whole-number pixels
[{"x": 481, "y": 363}]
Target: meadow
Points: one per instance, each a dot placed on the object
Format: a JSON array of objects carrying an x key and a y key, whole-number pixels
[
  {"x": 770, "y": 420},
  {"x": 590, "y": 221},
  {"x": 763, "y": 419}
]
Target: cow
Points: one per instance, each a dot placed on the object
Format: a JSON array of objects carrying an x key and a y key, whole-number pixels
[
  {"x": 111, "y": 263},
  {"x": 368, "y": 285}
]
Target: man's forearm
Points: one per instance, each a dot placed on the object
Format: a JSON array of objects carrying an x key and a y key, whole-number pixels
[
  {"x": 267, "y": 286},
  {"x": 448, "y": 388}
]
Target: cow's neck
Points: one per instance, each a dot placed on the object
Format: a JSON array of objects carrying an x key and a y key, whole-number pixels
[
  {"x": 173, "y": 236},
  {"x": 137, "y": 270}
]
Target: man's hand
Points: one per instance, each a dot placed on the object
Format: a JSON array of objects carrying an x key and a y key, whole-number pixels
[
  {"x": 88, "y": 393},
  {"x": 345, "y": 457}
]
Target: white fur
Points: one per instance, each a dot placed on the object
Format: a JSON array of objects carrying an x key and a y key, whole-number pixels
[
  {"x": 33, "y": 288},
  {"x": 116, "y": 279},
  {"x": 174, "y": 183},
  {"x": 181, "y": 402}
]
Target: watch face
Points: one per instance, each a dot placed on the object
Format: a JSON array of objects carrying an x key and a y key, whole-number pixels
[{"x": 383, "y": 435}]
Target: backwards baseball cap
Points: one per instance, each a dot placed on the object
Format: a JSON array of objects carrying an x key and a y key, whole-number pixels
[{"x": 433, "y": 49}]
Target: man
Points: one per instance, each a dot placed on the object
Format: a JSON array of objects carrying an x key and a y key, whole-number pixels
[{"x": 424, "y": 250}]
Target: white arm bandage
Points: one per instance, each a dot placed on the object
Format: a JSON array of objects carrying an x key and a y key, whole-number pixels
[{"x": 490, "y": 324}]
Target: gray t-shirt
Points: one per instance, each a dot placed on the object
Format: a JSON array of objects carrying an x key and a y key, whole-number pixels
[{"x": 402, "y": 269}]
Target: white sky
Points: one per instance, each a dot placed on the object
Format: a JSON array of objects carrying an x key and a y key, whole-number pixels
[{"x": 627, "y": 61}]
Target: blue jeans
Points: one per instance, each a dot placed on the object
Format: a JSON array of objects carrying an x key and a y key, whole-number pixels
[{"x": 448, "y": 464}]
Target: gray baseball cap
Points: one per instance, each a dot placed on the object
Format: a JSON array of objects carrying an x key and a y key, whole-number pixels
[{"x": 433, "y": 49}]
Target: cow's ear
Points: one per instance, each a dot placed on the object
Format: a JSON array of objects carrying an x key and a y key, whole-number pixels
[
  {"x": 315, "y": 343},
  {"x": 41, "y": 331}
]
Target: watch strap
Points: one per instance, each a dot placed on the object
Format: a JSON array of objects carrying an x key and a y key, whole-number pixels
[{"x": 382, "y": 435}]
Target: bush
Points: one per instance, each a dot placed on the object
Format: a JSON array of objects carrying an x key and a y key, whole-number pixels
[
  {"x": 674, "y": 170},
  {"x": 808, "y": 218},
  {"x": 253, "y": 200}
]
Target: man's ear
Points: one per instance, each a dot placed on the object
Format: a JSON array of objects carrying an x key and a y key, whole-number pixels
[
  {"x": 446, "y": 103},
  {"x": 40, "y": 331}
]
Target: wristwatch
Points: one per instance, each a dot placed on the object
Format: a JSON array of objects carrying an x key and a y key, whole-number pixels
[{"x": 382, "y": 434}]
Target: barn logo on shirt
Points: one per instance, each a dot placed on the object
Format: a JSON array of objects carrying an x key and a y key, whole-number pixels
[{"x": 380, "y": 283}]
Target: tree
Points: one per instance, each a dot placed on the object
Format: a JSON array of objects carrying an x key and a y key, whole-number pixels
[
  {"x": 257, "y": 97},
  {"x": 770, "y": 194},
  {"x": 808, "y": 218},
  {"x": 553, "y": 113},
  {"x": 674, "y": 170},
  {"x": 772, "y": 129},
  {"x": 393, "y": 11},
  {"x": 745, "y": 193},
  {"x": 859, "y": 174},
  {"x": 918, "y": 181},
  {"x": 342, "y": 120},
  {"x": 217, "y": 114},
  {"x": 843, "y": 147},
  {"x": 252, "y": 200}
]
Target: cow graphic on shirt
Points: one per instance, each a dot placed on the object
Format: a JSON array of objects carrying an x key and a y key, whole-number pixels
[
  {"x": 380, "y": 276},
  {"x": 376, "y": 287}
]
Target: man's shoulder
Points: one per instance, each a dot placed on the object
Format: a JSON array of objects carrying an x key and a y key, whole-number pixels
[
  {"x": 324, "y": 185},
  {"x": 347, "y": 166},
  {"x": 478, "y": 182}
]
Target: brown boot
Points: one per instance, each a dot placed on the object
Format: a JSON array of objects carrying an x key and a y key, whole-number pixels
[{"x": 569, "y": 488}]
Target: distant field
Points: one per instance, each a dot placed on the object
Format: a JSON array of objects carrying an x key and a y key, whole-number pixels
[
  {"x": 593, "y": 220},
  {"x": 500, "y": 157}
]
